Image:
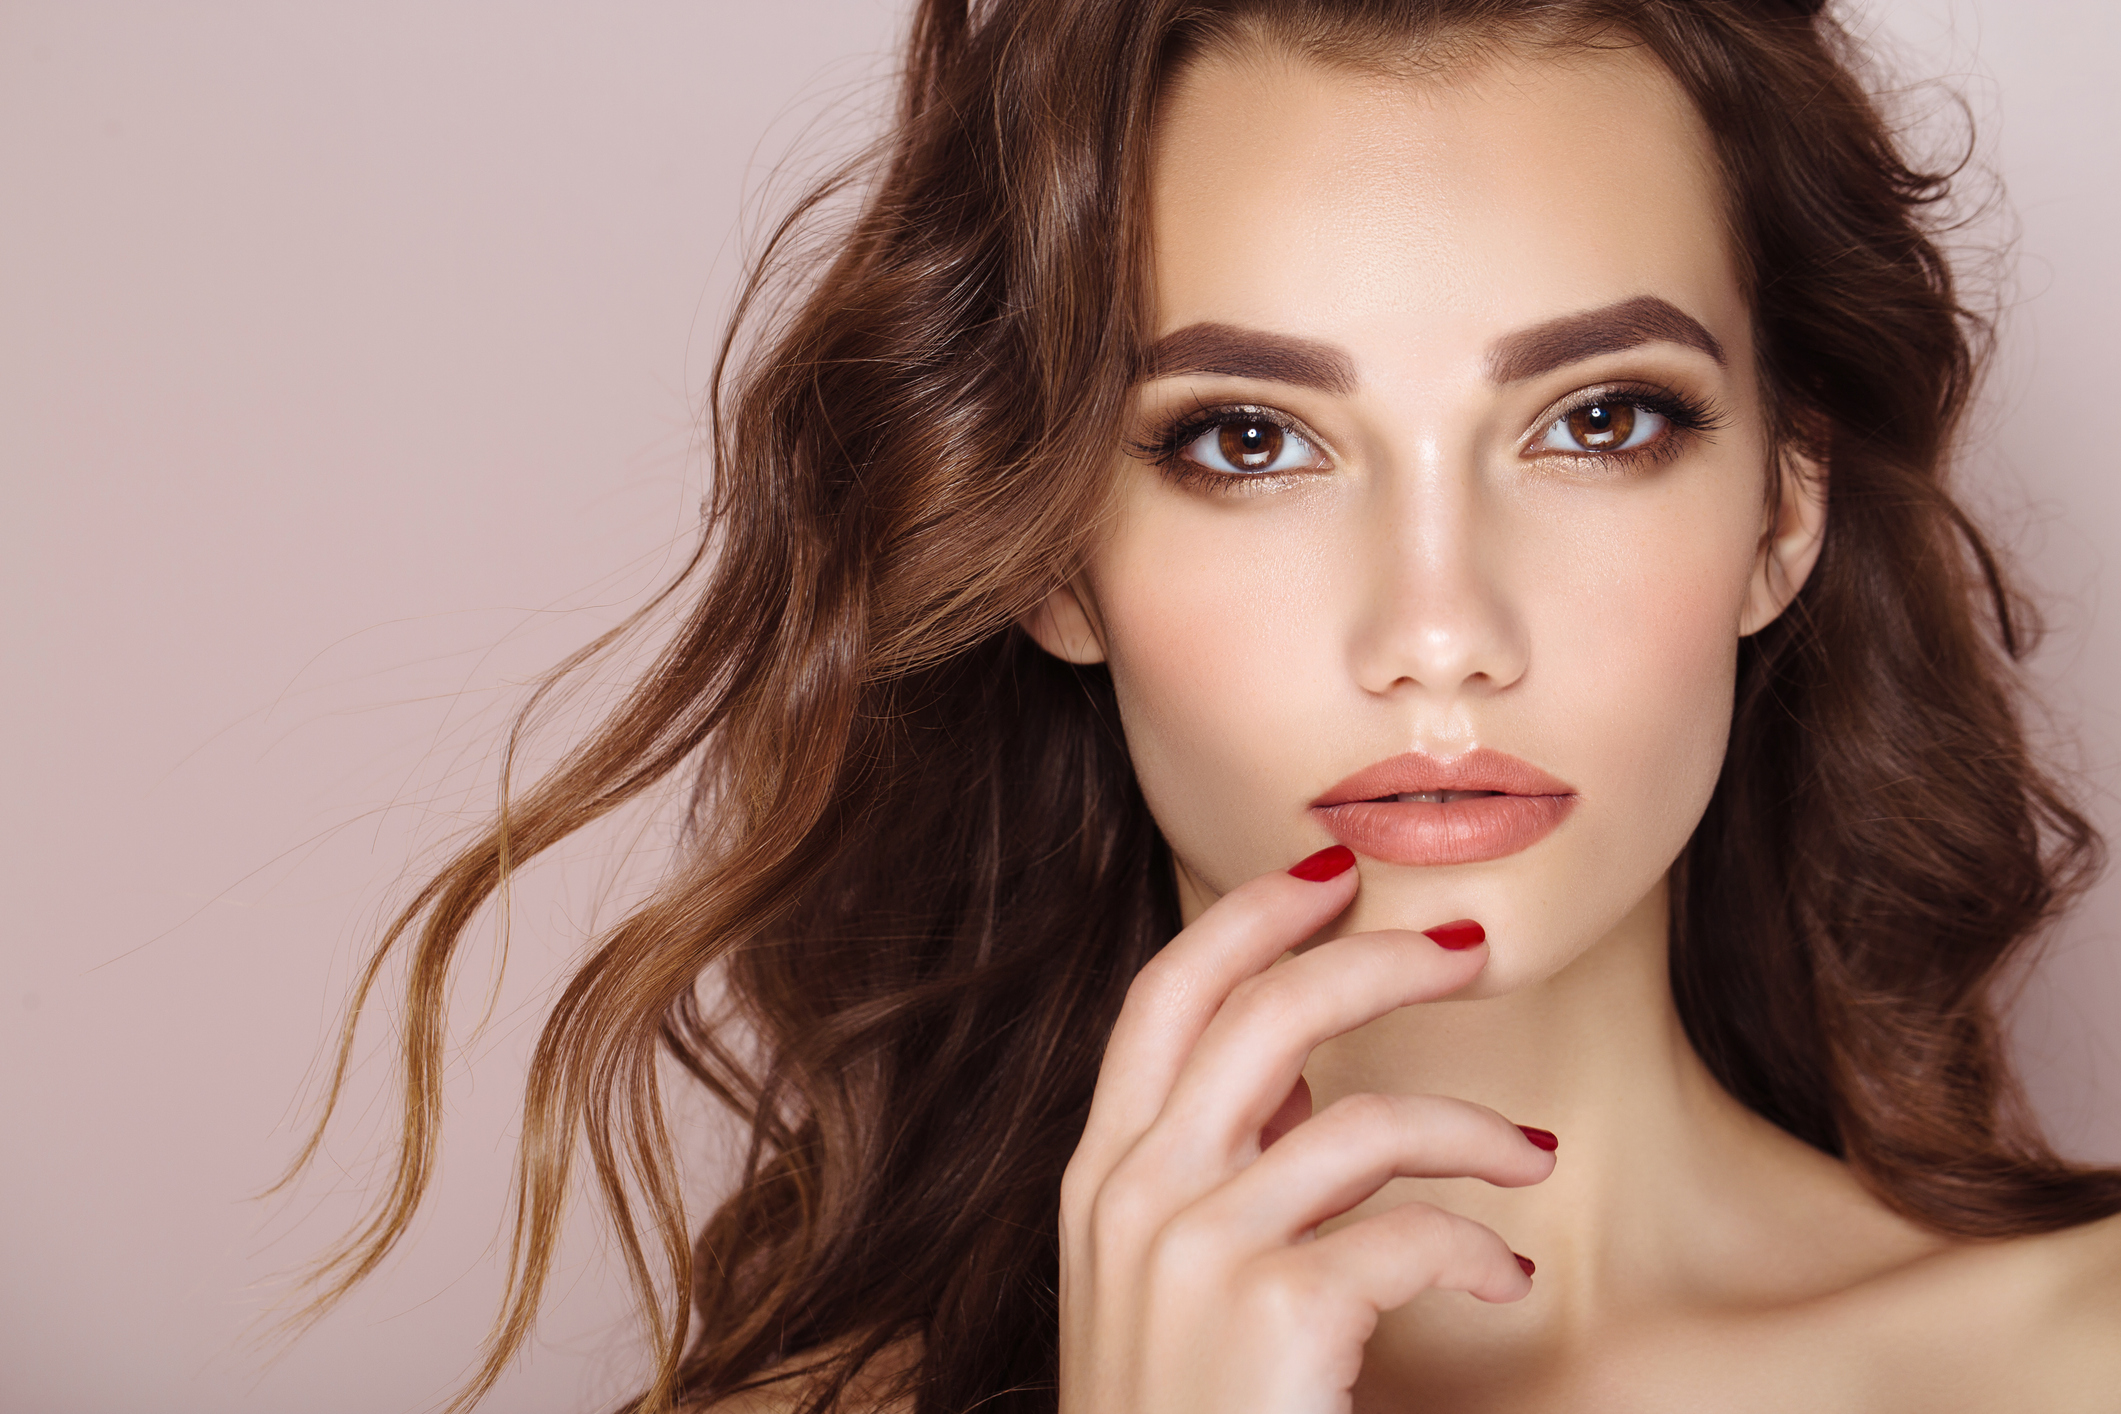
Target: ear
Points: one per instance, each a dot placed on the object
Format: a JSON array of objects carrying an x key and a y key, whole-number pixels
[
  {"x": 1790, "y": 546},
  {"x": 1064, "y": 627}
]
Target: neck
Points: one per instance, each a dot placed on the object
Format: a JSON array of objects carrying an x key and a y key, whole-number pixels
[{"x": 1599, "y": 1042}]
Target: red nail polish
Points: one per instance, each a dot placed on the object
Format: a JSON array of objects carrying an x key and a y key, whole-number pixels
[
  {"x": 1465, "y": 933},
  {"x": 1328, "y": 863},
  {"x": 1525, "y": 1262},
  {"x": 1543, "y": 1138}
]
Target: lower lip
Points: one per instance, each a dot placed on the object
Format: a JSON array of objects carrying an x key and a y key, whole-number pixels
[{"x": 1459, "y": 832}]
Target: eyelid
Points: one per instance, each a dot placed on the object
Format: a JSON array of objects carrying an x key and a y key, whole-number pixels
[
  {"x": 1171, "y": 434},
  {"x": 1684, "y": 415}
]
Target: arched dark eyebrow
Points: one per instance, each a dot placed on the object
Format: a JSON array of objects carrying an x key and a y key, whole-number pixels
[
  {"x": 1559, "y": 342},
  {"x": 1251, "y": 353}
]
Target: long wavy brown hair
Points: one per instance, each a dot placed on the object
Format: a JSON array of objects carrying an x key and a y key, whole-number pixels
[{"x": 921, "y": 875}]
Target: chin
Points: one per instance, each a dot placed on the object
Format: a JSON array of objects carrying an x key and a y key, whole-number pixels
[{"x": 1542, "y": 910}]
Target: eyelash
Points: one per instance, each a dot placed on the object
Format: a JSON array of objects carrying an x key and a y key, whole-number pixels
[
  {"x": 1164, "y": 444},
  {"x": 1684, "y": 418},
  {"x": 1162, "y": 448}
]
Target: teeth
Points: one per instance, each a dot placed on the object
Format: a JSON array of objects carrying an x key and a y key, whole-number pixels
[{"x": 1441, "y": 797}]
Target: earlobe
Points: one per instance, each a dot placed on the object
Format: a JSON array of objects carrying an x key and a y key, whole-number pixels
[
  {"x": 1064, "y": 628},
  {"x": 1791, "y": 545}
]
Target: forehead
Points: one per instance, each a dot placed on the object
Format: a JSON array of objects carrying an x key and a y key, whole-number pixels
[{"x": 1432, "y": 212}]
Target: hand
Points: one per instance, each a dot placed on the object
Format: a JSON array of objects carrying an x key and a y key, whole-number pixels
[{"x": 1192, "y": 1276}]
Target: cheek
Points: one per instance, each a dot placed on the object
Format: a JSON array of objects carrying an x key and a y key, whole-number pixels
[
  {"x": 1230, "y": 632},
  {"x": 1219, "y": 628},
  {"x": 1628, "y": 693},
  {"x": 1639, "y": 651}
]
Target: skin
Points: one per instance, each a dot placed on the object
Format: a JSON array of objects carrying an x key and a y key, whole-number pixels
[{"x": 1437, "y": 581}]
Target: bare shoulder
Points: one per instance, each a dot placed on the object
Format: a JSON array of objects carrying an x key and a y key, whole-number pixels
[
  {"x": 2080, "y": 1281},
  {"x": 2073, "y": 1282},
  {"x": 2058, "y": 1281},
  {"x": 2043, "y": 1312}
]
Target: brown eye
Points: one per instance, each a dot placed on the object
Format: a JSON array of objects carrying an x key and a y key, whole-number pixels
[
  {"x": 1604, "y": 427},
  {"x": 1601, "y": 426},
  {"x": 1242, "y": 444},
  {"x": 1249, "y": 446}
]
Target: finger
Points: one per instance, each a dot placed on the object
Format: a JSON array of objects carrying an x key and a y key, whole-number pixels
[
  {"x": 1349, "y": 1150},
  {"x": 1177, "y": 994},
  {"x": 1387, "y": 1260},
  {"x": 1252, "y": 1052},
  {"x": 1294, "y": 1111}
]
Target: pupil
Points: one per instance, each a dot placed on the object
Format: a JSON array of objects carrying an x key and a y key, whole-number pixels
[
  {"x": 1602, "y": 425},
  {"x": 1250, "y": 445}
]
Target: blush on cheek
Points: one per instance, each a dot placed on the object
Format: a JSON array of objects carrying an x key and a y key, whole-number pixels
[
  {"x": 1202, "y": 741},
  {"x": 1679, "y": 676},
  {"x": 1224, "y": 687},
  {"x": 1632, "y": 668}
]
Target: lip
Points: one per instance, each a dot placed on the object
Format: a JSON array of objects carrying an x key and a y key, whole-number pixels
[{"x": 1526, "y": 807}]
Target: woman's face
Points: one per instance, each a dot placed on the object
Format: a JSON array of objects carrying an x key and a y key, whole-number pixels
[{"x": 1447, "y": 502}]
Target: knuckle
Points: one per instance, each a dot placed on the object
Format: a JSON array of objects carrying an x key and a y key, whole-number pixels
[
  {"x": 1262, "y": 1001},
  {"x": 1185, "y": 1251},
  {"x": 1078, "y": 1188},
  {"x": 1152, "y": 985},
  {"x": 1285, "y": 1294},
  {"x": 1366, "y": 1110},
  {"x": 1118, "y": 1210},
  {"x": 1431, "y": 1229}
]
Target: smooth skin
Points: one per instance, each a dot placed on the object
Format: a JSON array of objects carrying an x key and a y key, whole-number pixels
[
  {"x": 1194, "y": 1275},
  {"x": 1302, "y": 1181}
]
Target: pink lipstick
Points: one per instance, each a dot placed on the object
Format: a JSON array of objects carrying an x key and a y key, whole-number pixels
[{"x": 1419, "y": 809}]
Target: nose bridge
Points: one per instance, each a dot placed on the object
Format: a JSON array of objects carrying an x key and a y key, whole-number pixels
[{"x": 1437, "y": 616}]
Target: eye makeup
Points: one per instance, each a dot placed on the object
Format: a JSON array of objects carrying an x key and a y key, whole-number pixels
[
  {"x": 1253, "y": 441},
  {"x": 1607, "y": 427}
]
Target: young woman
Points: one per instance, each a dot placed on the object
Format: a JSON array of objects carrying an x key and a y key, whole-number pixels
[{"x": 1333, "y": 666}]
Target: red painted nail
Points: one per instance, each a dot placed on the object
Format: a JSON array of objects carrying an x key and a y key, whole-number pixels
[
  {"x": 1525, "y": 1262},
  {"x": 1544, "y": 1138},
  {"x": 1465, "y": 933},
  {"x": 1328, "y": 863}
]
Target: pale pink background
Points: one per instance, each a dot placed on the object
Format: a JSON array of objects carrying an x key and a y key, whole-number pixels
[{"x": 348, "y": 362}]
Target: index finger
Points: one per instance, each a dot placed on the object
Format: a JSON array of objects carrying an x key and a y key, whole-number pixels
[{"x": 1179, "y": 991}]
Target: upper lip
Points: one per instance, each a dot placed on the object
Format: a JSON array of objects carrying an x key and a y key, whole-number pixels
[{"x": 1416, "y": 772}]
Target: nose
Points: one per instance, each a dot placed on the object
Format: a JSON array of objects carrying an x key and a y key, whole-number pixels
[{"x": 1435, "y": 615}]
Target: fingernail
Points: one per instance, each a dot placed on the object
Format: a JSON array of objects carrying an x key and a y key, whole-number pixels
[
  {"x": 1328, "y": 863},
  {"x": 1544, "y": 1138},
  {"x": 1465, "y": 933},
  {"x": 1525, "y": 1262}
]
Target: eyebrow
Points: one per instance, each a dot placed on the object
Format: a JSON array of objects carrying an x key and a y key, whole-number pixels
[
  {"x": 1236, "y": 352},
  {"x": 1251, "y": 353},
  {"x": 1557, "y": 343}
]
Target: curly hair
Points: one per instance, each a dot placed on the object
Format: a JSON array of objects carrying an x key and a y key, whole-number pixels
[{"x": 922, "y": 873}]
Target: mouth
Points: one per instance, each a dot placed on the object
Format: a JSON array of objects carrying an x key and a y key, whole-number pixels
[{"x": 1418, "y": 809}]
